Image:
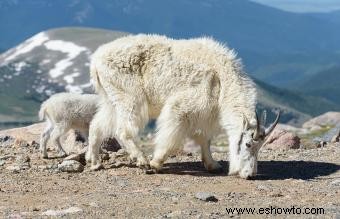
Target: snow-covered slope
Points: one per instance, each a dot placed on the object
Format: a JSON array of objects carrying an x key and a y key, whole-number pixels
[{"x": 49, "y": 62}]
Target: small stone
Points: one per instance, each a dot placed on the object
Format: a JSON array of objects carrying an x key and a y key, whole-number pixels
[
  {"x": 206, "y": 196},
  {"x": 6, "y": 141},
  {"x": 21, "y": 143},
  {"x": 335, "y": 182},
  {"x": 34, "y": 209},
  {"x": 35, "y": 145},
  {"x": 23, "y": 159},
  {"x": 175, "y": 214},
  {"x": 71, "y": 166},
  {"x": 2, "y": 162},
  {"x": 111, "y": 144},
  {"x": 13, "y": 168},
  {"x": 59, "y": 213}
]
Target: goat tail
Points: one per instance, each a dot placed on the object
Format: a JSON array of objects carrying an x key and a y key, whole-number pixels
[
  {"x": 42, "y": 112},
  {"x": 98, "y": 88}
]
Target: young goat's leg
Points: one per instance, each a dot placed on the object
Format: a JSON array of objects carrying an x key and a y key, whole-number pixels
[
  {"x": 57, "y": 132},
  {"x": 45, "y": 136}
]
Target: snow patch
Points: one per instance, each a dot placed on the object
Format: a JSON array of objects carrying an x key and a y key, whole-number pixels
[
  {"x": 26, "y": 47},
  {"x": 74, "y": 89},
  {"x": 19, "y": 66},
  {"x": 45, "y": 61},
  {"x": 72, "y": 50},
  {"x": 86, "y": 85},
  {"x": 70, "y": 78}
]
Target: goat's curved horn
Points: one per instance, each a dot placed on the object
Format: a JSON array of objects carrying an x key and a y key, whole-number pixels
[{"x": 272, "y": 126}]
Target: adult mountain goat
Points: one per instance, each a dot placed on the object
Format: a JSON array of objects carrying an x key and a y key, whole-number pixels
[{"x": 194, "y": 87}]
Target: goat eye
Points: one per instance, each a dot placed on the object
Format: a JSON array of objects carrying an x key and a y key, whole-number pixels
[
  {"x": 248, "y": 145},
  {"x": 252, "y": 135}
]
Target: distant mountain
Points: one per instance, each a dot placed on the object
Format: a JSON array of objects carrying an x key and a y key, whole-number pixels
[
  {"x": 333, "y": 16},
  {"x": 49, "y": 62},
  {"x": 324, "y": 84},
  {"x": 278, "y": 47},
  {"x": 58, "y": 60}
]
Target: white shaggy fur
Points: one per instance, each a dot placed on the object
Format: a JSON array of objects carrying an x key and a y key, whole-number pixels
[
  {"x": 65, "y": 111},
  {"x": 194, "y": 87}
]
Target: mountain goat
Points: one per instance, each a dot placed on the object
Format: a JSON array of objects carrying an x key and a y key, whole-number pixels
[
  {"x": 194, "y": 87},
  {"x": 65, "y": 111}
]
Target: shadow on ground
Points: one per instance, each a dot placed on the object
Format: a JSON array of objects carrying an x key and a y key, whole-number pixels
[{"x": 267, "y": 170}]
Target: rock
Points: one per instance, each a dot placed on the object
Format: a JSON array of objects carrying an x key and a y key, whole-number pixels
[
  {"x": 111, "y": 144},
  {"x": 71, "y": 166},
  {"x": 206, "y": 196},
  {"x": 23, "y": 159},
  {"x": 320, "y": 143},
  {"x": 175, "y": 214},
  {"x": 336, "y": 137},
  {"x": 77, "y": 157},
  {"x": 21, "y": 143},
  {"x": 2, "y": 162},
  {"x": 281, "y": 139},
  {"x": 59, "y": 213},
  {"x": 35, "y": 145},
  {"x": 14, "y": 168},
  {"x": 329, "y": 118},
  {"x": 330, "y": 134},
  {"x": 6, "y": 141},
  {"x": 335, "y": 182}
]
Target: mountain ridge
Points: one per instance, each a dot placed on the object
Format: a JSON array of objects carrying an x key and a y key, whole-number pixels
[
  {"x": 273, "y": 43},
  {"x": 44, "y": 65}
]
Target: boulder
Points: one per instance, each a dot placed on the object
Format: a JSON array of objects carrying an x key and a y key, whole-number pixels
[
  {"x": 336, "y": 137},
  {"x": 327, "y": 119},
  {"x": 331, "y": 135},
  {"x": 282, "y": 139}
]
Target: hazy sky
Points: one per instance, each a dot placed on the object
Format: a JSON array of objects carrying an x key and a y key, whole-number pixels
[{"x": 303, "y": 5}]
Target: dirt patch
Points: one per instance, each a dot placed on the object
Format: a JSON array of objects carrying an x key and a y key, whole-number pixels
[{"x": 32, "y": 187}]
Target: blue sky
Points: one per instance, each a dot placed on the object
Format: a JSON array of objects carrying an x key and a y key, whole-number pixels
[{"x": 303, "y": 5}]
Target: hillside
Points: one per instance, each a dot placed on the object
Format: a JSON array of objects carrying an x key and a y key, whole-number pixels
[
  {"x": 49, "y": 62},
  {"x": 324, "y": 84},
  {"x": 58, "y": 60},
  {"x": 277, "y": 47}
]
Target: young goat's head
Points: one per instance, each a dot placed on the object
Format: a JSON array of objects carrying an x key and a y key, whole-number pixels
[{"x": 251, "y": 140}]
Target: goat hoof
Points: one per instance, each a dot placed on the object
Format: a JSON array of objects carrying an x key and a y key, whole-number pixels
[{"x": 97, "y": 167}]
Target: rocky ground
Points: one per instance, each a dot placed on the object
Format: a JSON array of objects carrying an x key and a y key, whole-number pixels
[{"x": 31, "y": 187}]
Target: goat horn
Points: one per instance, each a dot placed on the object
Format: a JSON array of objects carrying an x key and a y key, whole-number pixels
[
  {"x": 257, "y": 131},
  {"x": 272, "y": 126}
]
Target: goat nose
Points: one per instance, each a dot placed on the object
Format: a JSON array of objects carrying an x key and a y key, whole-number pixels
[{"x": 248, "y": 145}]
